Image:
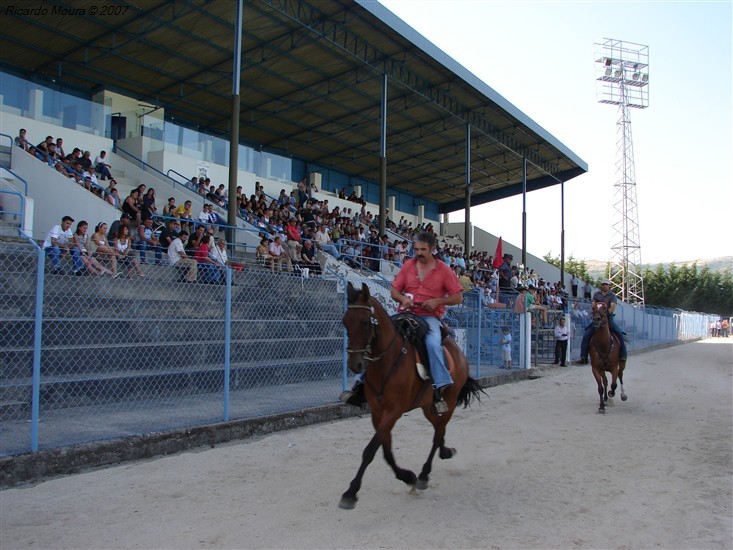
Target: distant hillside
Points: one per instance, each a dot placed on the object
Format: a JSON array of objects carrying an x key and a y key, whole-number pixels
[{"x": 596, "y": 268}]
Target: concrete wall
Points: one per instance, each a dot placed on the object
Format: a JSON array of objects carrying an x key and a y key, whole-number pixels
[{"x": 56, "y": 196}]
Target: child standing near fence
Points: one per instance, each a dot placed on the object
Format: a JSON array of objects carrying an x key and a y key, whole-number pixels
[{"x": 506, "y": 348}]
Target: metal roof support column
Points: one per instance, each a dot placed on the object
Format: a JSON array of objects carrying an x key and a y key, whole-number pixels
[
  {"x": 562, "y": 235},
  {"x": 524, "y": 212},
  {"x": 467, "y": 224},
  {"x": 234, "y": 135},
  {"x": 383, "y": 162}
]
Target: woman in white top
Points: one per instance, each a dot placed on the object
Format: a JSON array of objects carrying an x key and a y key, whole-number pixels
[
  {"x": 79, "y": 241},
  {"x": 100, "y": 248},
  {"x": 123, "y": 251}
]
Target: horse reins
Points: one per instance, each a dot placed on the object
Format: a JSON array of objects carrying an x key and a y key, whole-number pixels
[{"x": 366, "y": 351}]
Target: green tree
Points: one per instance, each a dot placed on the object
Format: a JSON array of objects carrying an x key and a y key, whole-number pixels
[{"x": 572, "y": 266}]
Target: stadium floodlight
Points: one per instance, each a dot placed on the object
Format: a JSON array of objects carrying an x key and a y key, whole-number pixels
[{"x": 628, "y": 61}]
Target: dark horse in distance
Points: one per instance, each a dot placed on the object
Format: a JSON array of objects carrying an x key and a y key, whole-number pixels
[
  {"x": 604, "y": 348},
  {"x": 392, "y": 386}
]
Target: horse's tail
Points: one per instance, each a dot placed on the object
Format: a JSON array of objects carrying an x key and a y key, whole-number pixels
[{"x": 470, "y": 390}]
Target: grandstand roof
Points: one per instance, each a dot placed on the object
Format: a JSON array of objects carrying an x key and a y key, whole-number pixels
[{"x": 312, "y": 76}]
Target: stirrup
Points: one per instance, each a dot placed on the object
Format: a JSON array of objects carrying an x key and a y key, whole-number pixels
[{"x": 354, "y": 396}]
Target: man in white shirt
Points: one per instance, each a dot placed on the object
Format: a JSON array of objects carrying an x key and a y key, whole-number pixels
[
  {"x": 219, "y": 252},
  {"x": 278, "y": 254},
  {"x": 57, "y": 243},
  {"x": 323, "y": 241},
  {"x": 561, "y": 342},
  {"x": 178, "y": 258}
]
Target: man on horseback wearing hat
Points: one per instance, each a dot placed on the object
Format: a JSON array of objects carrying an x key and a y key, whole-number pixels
[
  {"x": 424, "y": 286},
  {"x": 609, "y": 298}
]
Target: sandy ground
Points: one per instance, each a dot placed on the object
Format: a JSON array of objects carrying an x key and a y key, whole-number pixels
[{"x": 537, "y": 467}]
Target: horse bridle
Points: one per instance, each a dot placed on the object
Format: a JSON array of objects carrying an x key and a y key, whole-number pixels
[{"x": 366, "y": 351}]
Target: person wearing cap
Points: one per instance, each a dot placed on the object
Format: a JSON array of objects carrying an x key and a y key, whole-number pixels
[
  {"x": 115, "y": 227},
  {"x": 505, "y": 272},
  {"x": 609, "y": 298},
  {"x": 424, "y": 286}
]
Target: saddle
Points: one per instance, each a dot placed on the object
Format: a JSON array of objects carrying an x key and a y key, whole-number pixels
[{"x": 414, "y": 329}]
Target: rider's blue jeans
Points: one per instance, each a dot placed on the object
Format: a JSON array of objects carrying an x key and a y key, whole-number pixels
[
  {"x": 441, "y": 376},
  {"x": 590, "y": 331}
]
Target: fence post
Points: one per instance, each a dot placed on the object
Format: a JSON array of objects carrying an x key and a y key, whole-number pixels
[
  {"x": 479, "y": 304},
  {"x": 37, "y": 340},
  {"x": 344, "y": 368},
  {"x": 227, "y": 339}
]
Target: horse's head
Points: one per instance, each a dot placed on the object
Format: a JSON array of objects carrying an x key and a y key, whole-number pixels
[
  {"x": 361, "y": 323},
  {"x": 600, "y": 314}
]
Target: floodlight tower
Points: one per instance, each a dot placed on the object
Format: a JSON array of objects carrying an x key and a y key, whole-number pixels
[{"x": 622, "y": 78}]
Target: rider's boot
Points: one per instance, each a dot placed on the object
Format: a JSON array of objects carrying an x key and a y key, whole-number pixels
[
  {"x": 441, "y": 406},
  {"x": 354, "y": 396}
]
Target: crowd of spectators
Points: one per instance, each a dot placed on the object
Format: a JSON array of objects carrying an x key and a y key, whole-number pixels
[{"x": 294, "y": 227}]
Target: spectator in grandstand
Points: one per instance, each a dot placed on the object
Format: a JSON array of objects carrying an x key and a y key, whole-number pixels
[
  {"x": 262, "y": 254},
  {"x": 149, "y": 208},
  {"x": 21, "y": 140},
  {"x": 170, "y": 208},
  {"x": 324, "y": 243},
  {"x": 505, "y": 273},
  {"x": 209, "y": 271},
  {"x": 130, "y": 207},
  {"x": 146, "y": 240},
  {"x": 57, "y": 243},
  {"x": 42, "y": 149},
  {"x": 60, "y": 154},
  {"x": 86, "y": 160},
  {"x": 178, "y": 258},
  {"x": 83, "y": 261},
  {"x": 293, "y": 239},
  {"x": 278, "y": 254},
  {"x": 194, "y": 241},
  {"x": 308, "y": 257},
  {"x": 168, "y": 233},
  {"x": 115, "y": 228},
  {"x": 100, "y": 248},
  {"x": 184, "y": 213},
  {"x": 123, "y": 250},
  {"x": 102, "y": 166},
  {"x": 574, "y": 282},
  {"x": 537, "y": 305},
  {"x": 587, "y": 291},
  {"x": 203, "y": 216},
  {"x": 218, "y": 253}
]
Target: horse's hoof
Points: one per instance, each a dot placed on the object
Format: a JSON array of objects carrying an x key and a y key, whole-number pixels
[
  {"x": 447, "y": 452},
  {"x": 624, "y": 397},
  {"x": 421, "y": 484},
  {"x": 611, "y": 394},
  {"x": 347, "y": 503},
  {"x": 601, "y": 411}
]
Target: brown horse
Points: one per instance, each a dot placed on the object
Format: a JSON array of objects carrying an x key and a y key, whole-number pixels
[
  {"x": 392, "y": 386},
  {"x": 604, "y": 348}
]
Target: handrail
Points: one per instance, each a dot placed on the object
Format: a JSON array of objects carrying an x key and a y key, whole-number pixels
[
  {"x": 144, "y": 165},
  {"x": 12, "y": 144},
  {"x": 22, "y": 206},
  {"x": 25, "y": 183},
  {"x": 185, "y": 181},
  {"x": 28, "y": 238}
]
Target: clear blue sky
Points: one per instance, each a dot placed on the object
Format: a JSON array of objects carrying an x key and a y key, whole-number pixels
[{"x": 539, "y": 56}]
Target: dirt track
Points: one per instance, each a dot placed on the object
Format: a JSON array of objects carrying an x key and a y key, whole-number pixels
[{"x": 536, "y": 468}]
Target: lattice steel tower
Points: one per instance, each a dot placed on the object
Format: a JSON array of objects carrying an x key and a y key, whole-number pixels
[{"x": 622, "y": 78}]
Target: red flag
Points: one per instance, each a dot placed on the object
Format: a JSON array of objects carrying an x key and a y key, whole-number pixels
[{"x": 498, "y": 255}]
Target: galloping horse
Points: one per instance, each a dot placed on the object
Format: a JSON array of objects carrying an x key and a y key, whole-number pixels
[
  {"x": 604, "y": 350},
  {"x": 392, "y": 386}
]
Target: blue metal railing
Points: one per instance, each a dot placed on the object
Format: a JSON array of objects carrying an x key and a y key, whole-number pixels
[{"x": 6, "y": 151}]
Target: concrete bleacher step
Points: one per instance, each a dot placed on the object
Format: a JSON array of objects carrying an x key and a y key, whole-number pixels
[{"x": 126, "y": 385}]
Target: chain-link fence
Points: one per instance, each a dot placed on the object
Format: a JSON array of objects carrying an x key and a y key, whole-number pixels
[{"x": 141, "y": 349}]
